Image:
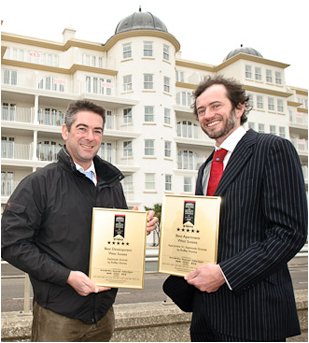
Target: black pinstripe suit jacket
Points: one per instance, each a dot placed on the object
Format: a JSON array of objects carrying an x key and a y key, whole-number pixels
[{"x": 263, "y": 224}]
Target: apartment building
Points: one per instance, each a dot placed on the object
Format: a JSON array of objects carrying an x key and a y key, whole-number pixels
[{"x": 139, "y": 77}]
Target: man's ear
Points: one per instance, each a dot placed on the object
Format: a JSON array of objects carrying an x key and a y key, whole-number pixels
[
  {"x": 240, "y": 110},
  {"x": 65, "y": 132}
]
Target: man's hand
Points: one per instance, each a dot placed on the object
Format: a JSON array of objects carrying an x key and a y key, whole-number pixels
[
  {"x": 151, "y": 220},
  {"x": 207, "y": 278},
  {"x": 83, "y": 285}
]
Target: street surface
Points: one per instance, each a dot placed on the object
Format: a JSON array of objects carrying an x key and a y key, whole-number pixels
[{"x": 12, "y": 286}]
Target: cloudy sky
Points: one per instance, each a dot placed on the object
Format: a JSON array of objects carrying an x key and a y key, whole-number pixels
[{"x": 206, "y": 30}]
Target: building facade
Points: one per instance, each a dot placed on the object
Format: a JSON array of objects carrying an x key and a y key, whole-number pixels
[{"x": 139, "y": 77}]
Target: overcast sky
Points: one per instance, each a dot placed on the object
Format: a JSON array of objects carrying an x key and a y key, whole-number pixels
[{"x": 207, "y": 30}]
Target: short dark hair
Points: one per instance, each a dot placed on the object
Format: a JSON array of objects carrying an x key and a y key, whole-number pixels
[
  {"x": 81, "y": 105},
  {"x": 235, "y": 93}
]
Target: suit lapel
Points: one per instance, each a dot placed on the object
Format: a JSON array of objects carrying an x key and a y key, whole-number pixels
[{"x": 239, "y": 158}]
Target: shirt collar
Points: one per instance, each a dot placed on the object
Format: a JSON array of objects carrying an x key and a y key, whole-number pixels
[
  {"x": 91, "y": 168},
  {"x": 232, "y": 140}
]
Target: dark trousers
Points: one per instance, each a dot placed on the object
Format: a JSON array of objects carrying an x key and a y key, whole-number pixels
[{"x": 48, "y": 326}]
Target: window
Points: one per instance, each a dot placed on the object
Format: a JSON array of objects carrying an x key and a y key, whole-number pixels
[
  {"x": 258, "y": 73},
  {"x": 149, "y": 147},
  {"x": 168, "y": 149},
  {"x": 187, "y": 185},
  {"x": 269, "y": 76},
  {"x": 10, "y": 77},
  {"x": 187, "y": 129},
  {"x": 127, "y": 116},
  {"x": 259, "y": 102},
  {"x": 148, "y": 81},
  {"x": 7, "y": 147},
  {"x": 55, "y": 84},
  {"x": 180, "y": 76},
  {"x": 251, "y": 125},
  {"x": 280, "y": 107},
  {"x": 167, "y": 116},
  {"x": 128, "y": 183},
  {"x": 51, "y": 116},
  {"x": 168, "y": 182},
  {"x": 147, "y": 49},
  {"x": 166, "y": 52},
  {"x": 127, "y": 149},
  {"x": 167, "y": 84},
  {"x": 261, "y": 128},
  {"x": 150, "y": 182},
  {"x": 271, "y": 104},
  {"x": 184, "y": 99},
  {"x": 109, "y": 120},
  {"x": 105, "y": 151},
  {"x": 248, "y": 72},
  {"x": 105, "y": 86},
  {"x": 272, "y": 129},
  {"x": 8, "y": 111},
  {"x": 149, "y": 114},
  {"x": 127, "y": 83},
  {"x": 188, "y": 160},
  {"x": 7, "y": 183},
  {"x": 278, "y": 78},
  {"x": 127, "y": 52},
  {"x": 282, "y": 131}
]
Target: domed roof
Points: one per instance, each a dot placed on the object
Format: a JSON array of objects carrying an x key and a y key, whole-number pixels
[
  {"x": 140, "y": 21},
  {"x": 249, "y": 51}
]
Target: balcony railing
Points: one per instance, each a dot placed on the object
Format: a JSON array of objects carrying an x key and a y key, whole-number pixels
[
  {"x": 17, "y": 114},
  {"x": 17, "y": 151},
  {"x": 299, "y": 119},
  {"x": 301, "y": 145},
  {"x": 8, "y": 187}
]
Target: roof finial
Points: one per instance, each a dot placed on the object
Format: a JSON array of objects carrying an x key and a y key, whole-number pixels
[
  {"x": 140, "y": 8},
  {"x": 241, "y": 45}
]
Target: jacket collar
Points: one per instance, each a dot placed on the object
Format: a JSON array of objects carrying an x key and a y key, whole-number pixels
[
  {"x": 106, "y": 172},
  {"x": 243, "y": 151}
]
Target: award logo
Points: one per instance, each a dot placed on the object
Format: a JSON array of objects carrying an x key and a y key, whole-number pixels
[
  {"x": 189, "y": 213},
  {"x": 119, "y": 225}
]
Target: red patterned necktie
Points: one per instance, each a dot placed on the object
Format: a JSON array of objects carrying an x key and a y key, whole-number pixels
[{"x": 216, "y": 171}]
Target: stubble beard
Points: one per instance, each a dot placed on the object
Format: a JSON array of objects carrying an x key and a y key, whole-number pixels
[{"x": 230, "y": 123}]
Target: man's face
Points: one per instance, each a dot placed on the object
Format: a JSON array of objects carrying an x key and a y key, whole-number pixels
[
  {"x": 216, "y": 115},
  {"x": 84, "y": 139}
]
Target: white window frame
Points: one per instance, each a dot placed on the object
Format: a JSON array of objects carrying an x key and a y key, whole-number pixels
[
  {"x": 149, "y": 114},
  {"x": 168, "y": 182},
  {"x": 168, "y": 149},
  {"x": 127, "y": 115},
  {"x": 167, "y": 116},
  {"x": 269, "y": 76},
  {"x": 167, "y": 82},
  {"x": 150, "y": 181},
  {"x": 127, "y": 149},
  {"x": 149, "y": 145},
  {"x": 166, "y": 52},
  {"x": 127, "y": 51},
  {"x": 148, "y": 81},
  {"x": 148, "y": 49},
  {"x": 127, "y": 83}
]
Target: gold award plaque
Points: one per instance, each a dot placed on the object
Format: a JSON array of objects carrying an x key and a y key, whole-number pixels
[
  {"x": 118, "y": 245},
  {"x": 189, "y": 233}
]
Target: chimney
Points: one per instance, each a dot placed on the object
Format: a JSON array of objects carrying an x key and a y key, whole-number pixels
[{"x": 68, "y": 34}]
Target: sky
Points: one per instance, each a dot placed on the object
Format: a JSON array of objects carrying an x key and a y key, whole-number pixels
[{"x": 207, "y": 30}]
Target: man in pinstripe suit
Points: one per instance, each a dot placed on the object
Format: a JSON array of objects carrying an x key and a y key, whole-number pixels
[{"x": 248, "y": 295}]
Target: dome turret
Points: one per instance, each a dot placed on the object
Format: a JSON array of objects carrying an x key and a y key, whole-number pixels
[
  {"x": 140, "y": 21},
  {"x": 249, "y": 51}
]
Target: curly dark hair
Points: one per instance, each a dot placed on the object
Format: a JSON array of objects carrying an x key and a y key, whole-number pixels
[{"x": 235, "y": 93}]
